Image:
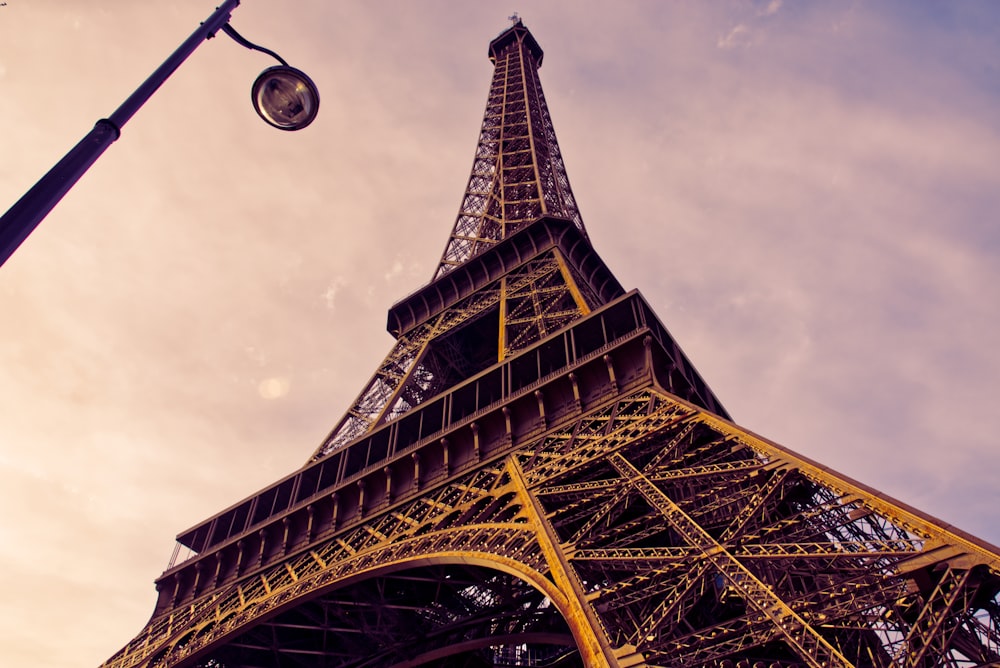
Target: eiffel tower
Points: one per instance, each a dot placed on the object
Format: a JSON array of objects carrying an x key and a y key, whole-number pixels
[{"x": 536, "y": 475}]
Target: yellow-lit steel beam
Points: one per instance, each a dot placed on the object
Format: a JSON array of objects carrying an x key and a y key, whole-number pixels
[
  {"x": 574, "y": 289},
  {"x": 592, "y": 641},
  {"x": 895, "y": 511},
  {"x": 798, "y": 633}
]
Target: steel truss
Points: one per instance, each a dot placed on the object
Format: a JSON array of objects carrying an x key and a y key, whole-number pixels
[
  {"x": 534, "y": 299},
  {"x": 644, "y": 528}
]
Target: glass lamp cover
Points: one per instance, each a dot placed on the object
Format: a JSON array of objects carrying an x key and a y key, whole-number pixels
[{"x": 285, "y": 97}]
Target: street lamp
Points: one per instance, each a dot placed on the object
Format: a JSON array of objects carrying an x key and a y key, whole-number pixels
[{"x": 283, "y": 96}]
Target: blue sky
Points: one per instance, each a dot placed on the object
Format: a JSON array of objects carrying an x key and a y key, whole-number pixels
[{"x": 807, "y": 193}]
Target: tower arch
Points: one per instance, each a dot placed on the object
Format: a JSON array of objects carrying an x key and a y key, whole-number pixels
[{"x": 457, "y": 607}]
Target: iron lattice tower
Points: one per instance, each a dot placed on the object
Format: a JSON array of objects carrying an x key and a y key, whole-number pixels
[{"x": 537, "y": 476}]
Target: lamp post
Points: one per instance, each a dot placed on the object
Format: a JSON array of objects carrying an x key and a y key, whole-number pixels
[{"x": 283, "y": 96}]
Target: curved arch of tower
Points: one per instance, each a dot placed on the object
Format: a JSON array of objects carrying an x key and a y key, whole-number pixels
[{"x": 536, "y": 475}]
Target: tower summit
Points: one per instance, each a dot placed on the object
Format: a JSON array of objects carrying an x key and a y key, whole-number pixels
[
  {"x": 518, "y": 173},
  {"x": 536, "y": 475}
]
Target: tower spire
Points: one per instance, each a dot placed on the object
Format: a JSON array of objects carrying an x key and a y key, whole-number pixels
[{"x": 518, "y": 173}]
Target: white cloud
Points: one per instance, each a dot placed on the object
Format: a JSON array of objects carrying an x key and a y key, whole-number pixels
[
  {"x": 394, "y": 271},
  {"x": 738, "y": 36},
  {"x": 273, "y": 388},
  {"x": 771, "y": 9},
  {"x": 330, "y": 295}
]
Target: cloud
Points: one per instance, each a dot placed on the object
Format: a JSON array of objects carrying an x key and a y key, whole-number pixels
[
  {"x": 273, "y": 388},
  {"x": 330, "y": 295},
  {"x": 738, "y": 36},
  {"x": 394, "y": 271},
  {"x": 771, "y": 9}
]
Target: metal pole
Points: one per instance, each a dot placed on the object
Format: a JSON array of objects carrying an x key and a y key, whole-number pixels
[{"x": 22, "y": 218}]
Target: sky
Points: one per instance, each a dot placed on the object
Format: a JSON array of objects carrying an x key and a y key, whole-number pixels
[{"x": 807, "y": 193}]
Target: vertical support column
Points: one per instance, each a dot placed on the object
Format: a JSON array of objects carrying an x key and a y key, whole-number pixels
[
  {"x": 361, "y": 498},
  {"x": 310, "y": 519},
  {"x": 175, "y": 597},
  {"x": 671, "y": 368},
  {"x": 334, "y": 512},
  {"x": 475, "y": 442},
  {"x": 286, "y": 533},
  {"x": 611, "y": 373},
  {"x": 198, "y": 568},
  {"x": 541, "y": 408},
  {"x": 218, "y": 569},
  {"x": 241, "y": 547},
  {"x": 262, "y": 535},
  {"x": 577, "y": 404}
]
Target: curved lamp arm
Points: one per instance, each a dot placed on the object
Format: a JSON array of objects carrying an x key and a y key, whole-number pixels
[{"x": 243, "y": 41}]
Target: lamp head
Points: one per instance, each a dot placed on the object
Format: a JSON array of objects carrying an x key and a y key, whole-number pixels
[{"x": 285, "y": 97}]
